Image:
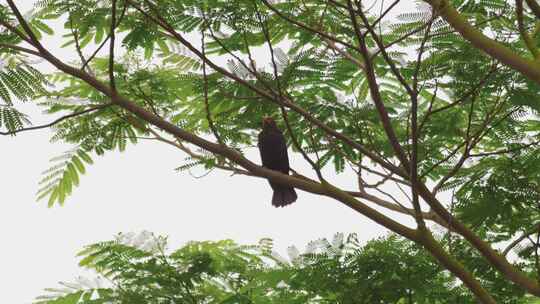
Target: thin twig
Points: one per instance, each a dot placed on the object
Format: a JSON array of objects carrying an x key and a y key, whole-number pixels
[
  {"x": 206, "y": 103},
  {"x": 56, "y": 121},
  {"x": 96, "y": 51},
  {"x": 308, "y": 28},
  {"x": 504, "y": 151},
  {"x": 112, "y": 81}
]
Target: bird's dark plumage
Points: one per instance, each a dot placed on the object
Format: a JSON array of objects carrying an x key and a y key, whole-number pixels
[{"x": 274, "y": 156}]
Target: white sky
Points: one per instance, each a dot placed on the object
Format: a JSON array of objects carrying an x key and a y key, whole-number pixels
[{"x": 139, "y": 190}]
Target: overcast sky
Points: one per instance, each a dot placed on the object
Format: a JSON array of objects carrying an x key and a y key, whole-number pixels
[{"x": 139, "y": 190}]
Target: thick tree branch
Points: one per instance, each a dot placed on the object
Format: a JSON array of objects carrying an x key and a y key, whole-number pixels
[
  {"x": 450, "y": 263},
  {"x": 492, "y": 256},
  {"x": 528, "y": 68},
  {"x": 375, "y": 93},
  {"x": 20, "y": 49},
  {"x": 534, "y": 6}
]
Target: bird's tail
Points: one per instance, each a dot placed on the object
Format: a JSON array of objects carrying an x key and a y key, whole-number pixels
[{"x": 283, "y": 196}]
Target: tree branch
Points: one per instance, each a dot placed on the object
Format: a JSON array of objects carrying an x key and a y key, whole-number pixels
[
  {"x": 20, "y": 49},
  {"x": 529, "y": 42},
  {"x": 534, "y": 6},
  {"x": 375, "y": 93},
  {"x": 56, "y": 121},
  {"x": 308, "y": 28},
  {"x": 504, "y": 151},
  {"x": 206, "y": 103},
  {"x": 534, "y": 229},
  {"x": 528, "y": 68},
  {"x": 111, "y": 47}
]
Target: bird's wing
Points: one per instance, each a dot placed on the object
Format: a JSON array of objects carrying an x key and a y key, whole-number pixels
[
  {"x": 273, "y": 149},
  {"x": 281, "y": 146},
  {"x": 263, "y": 149}
]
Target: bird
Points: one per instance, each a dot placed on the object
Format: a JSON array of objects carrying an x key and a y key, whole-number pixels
[{"x": 273, "y": 150}]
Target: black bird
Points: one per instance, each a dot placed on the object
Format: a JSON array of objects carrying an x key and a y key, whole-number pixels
[{"x": 274, "y": 156}]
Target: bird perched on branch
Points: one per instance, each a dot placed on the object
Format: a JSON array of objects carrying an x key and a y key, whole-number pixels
[{"x": 274, "y": 156}]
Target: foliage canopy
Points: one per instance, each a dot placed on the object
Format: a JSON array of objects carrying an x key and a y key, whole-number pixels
[{"x": 141, "y": 269}]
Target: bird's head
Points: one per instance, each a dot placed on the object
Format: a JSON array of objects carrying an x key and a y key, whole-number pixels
[{"x": 269, "y": 123}]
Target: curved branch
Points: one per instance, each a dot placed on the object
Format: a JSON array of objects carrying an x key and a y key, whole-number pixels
[
  {"x": 529, "y": 42},
  {"x": 528, "y": 68},
  {"x": 525, "y": 234},
  {"x": 493, "y": 257},
  {"x": 20, "y": 49},
  {"x": 534, "y": 6}
]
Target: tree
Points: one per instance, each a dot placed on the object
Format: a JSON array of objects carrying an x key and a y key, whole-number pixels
[
  {"x": 410, "y": 104},
  {"x": 141, "y": 269}
]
